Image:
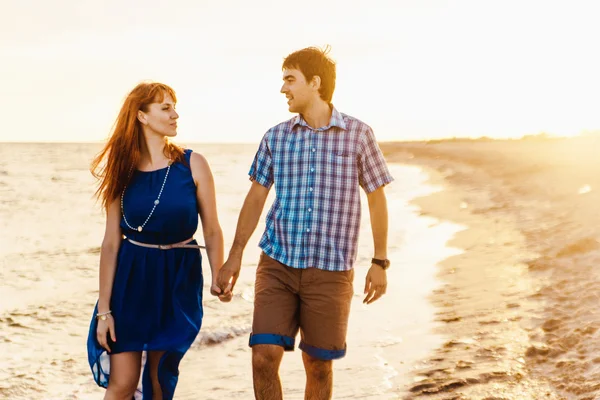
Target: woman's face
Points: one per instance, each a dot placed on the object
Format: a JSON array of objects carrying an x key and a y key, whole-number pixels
[{"x": 160, "y": 118}]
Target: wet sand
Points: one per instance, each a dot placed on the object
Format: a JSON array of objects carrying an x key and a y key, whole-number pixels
[{"x": 518, "y": 307}]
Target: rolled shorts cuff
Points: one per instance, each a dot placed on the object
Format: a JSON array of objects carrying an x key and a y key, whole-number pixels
[
  {"x": 286, "y": 342},
  {"x": 322, "y": 354}
]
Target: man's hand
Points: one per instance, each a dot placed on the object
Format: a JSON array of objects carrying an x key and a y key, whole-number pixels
[
  {"x": 228, "y": 275},
  {"x": 375, "y": 284}
]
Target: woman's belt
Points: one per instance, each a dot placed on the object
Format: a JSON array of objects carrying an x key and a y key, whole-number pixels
[{"x": 181, "y": 245}]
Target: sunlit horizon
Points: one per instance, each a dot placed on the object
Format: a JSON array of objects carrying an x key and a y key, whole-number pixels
[
  {"x": 413, "y": 70},
  {"x": 541, "y": 136}
]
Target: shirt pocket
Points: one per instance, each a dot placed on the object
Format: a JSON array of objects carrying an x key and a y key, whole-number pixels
[{"x": 341, "y": 167}]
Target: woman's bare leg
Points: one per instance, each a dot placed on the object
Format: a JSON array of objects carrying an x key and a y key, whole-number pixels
[{"x": 124, "y": 375}]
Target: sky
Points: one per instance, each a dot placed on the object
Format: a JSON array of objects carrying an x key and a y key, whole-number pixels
[{"x": 411, "y": 69}]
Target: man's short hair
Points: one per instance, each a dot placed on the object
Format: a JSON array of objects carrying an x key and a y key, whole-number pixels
[{"x": 312, "y": 62}]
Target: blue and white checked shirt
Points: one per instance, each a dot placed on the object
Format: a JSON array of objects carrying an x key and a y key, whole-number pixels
[{"x": 315, "y": 218}]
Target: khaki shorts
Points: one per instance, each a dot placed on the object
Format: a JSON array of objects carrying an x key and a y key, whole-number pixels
[{"x": 314, "y": 301}]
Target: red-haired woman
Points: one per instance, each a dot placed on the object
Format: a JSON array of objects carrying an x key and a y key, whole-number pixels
[{"x": 150, "y": 298}]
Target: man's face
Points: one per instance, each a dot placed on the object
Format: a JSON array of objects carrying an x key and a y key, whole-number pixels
[{"x": 298, "y": 91}]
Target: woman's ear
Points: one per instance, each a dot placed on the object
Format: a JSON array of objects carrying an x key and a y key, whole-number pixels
[{"x": 142, "y": 117}]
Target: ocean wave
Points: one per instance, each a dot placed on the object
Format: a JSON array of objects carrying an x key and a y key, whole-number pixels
[{"x": 209, "y": 337}]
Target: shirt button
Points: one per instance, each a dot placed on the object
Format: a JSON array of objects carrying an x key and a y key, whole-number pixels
[
  {"x": 314, "y": 149},
  {"x": 312, "y": 170},
  {"x": 310, "y": 189},
  {"x": 307, "y": 229},
  {"x": 310, "y": 209}
]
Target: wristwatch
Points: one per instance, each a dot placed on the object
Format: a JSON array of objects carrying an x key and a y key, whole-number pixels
[{"x": 385, "y": 264}]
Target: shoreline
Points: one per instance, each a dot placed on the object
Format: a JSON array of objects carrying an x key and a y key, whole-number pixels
[
  {"x": 531, "y": 207},
  {"x": 480, "y": 318}
]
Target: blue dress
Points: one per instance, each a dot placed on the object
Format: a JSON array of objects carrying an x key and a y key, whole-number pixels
[{"x": 156, "y": 298}]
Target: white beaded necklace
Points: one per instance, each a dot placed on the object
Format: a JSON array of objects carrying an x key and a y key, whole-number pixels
[{"x": 156, "y": 202}]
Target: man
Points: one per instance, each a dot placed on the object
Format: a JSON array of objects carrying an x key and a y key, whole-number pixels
[{"x": 317, "y": 161}]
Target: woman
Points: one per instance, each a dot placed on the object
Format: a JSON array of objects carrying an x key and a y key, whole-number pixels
[{"x": 149, "y": 308}]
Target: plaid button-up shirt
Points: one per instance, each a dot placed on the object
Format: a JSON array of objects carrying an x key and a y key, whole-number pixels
[{"x": 315, "y": 218}]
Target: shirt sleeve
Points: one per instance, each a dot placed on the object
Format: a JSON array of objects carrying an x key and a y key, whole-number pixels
[
  {"x": 372, "y": 168},
  {"x": 261, "y": 170}
]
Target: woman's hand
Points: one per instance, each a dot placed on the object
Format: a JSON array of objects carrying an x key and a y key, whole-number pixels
[{"x": 104, "y": 327}]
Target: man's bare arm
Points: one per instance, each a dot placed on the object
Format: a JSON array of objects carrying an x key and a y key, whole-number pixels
[
  {"x": 376, "y": 280},
  {"x": 379, "y": 221},
  {"x": 247, "y": 222}
]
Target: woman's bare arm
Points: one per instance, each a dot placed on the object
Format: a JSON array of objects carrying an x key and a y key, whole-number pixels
[{"x": 207, "y": 209}]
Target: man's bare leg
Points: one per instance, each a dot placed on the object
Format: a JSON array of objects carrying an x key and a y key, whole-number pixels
[
  {"x": 319, "y": 378},
  {"x": 266, "y": 359}
]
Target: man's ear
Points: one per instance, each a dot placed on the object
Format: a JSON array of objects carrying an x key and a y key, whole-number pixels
[
  {"x": 142, "y": 117},
  {"x": 316, "y": 82}
]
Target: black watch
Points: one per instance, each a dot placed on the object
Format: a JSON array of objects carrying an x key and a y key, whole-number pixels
[{"x": 385, "y": 264}]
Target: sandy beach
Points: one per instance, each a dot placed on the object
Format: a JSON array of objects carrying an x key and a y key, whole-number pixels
[{"x": 519, "y": 307}]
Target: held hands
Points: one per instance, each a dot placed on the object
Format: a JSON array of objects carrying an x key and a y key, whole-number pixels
[
  {"x": 228, "y": 275},
  {"x": 375, "y": 284},
  {"x": 215, "y": 290}
]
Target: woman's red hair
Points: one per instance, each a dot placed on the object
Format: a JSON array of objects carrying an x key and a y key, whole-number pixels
[{"x": 122, "y": 153}]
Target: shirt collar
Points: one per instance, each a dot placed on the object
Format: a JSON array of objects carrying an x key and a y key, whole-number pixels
[{"x": 337, "y": 120}]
